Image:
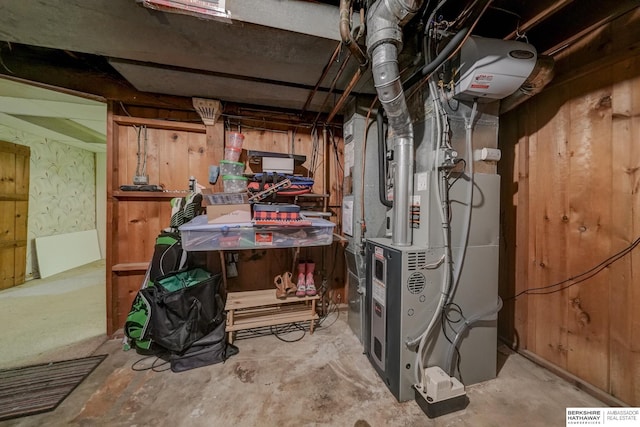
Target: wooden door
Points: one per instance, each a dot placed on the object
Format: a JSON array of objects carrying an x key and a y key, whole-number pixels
[{"x": 14, "y": 201}]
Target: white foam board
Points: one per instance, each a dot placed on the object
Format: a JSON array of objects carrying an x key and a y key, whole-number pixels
[{"x": 63, "y": 252}]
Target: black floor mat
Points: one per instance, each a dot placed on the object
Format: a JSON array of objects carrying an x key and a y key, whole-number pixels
[{"x": 40, "y": 388}]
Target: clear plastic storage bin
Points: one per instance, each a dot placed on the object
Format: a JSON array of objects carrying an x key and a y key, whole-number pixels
[
  {"x": 198, "y": 235},
  {"x": 232, "y": 154},
  {"x": 227, "y": 167},
  {"x": 234, "y": 184},
  {"x": 234, "y": 139}
]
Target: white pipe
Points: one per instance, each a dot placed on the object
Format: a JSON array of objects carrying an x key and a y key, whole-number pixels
[
  {"x": 448, "y": 285},
  {"x": 464, "y": 237},
  {"x": 468, "y": 322},
  {"x": 446, "y": 277}
]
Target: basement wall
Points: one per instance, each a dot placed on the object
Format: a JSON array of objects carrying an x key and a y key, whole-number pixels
[
  {"x": 570, "y": 200},
  {"x": 180, "y": 146},
  {"x": 61, "y": 190}
]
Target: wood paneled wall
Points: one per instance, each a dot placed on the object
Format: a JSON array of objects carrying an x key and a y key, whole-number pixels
[
  {"x": 570, "y": 200},
  {"x": 176, "y": 150}
]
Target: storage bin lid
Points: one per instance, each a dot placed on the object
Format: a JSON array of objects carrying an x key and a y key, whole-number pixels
[{"x": 231, "y": 162}]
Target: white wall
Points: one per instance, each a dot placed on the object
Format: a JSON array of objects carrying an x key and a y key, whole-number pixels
[
  {"x": 62, "y": 189},
  {"x": 101, "y": 201}
]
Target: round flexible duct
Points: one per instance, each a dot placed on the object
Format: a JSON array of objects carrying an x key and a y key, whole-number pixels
[{"x": 541, "y": 75}]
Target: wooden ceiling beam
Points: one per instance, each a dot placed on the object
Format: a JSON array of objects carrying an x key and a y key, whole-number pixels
[
  {"x": 45, "y": 69},
  {"x": 573, "y": 21},
  {"x": 540, "y": 12}
]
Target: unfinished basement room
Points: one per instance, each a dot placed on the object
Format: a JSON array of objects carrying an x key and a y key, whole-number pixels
[{"x": 350, "y": 213}]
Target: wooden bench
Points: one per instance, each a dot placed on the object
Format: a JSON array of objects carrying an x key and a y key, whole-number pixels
[{"x": 254, "y": 309}]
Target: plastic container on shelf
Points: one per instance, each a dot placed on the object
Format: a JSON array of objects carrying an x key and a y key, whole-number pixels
[
  {"x": 227, "y": 167},
  {"x": 235, "y": 140},
  {"x": 198, "y": 235},
  {"x": 234, "y": 183},
  {"x": 232, "y": 154}
]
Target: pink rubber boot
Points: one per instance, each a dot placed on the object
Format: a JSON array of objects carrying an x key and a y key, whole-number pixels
[
  {"x": 302, "y": 289},
  {"x": 311, "y": 285}
]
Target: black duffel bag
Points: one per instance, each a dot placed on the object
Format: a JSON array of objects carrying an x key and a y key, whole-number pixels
[
  {"x": 208, "y": 350},
  {"x": 185, "y": 306}
]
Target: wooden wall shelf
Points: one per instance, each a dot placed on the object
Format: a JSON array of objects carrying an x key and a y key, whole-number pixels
[
  {"x": 154, "y": 195},
  {"x": 131, "y": 266}
]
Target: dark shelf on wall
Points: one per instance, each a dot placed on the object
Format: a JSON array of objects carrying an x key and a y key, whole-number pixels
[
  {"x": 255, "y": 157},
  {"x": 150, "y": 195}
]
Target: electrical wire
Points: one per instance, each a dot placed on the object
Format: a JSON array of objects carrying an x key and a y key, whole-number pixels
[
  {"x": 288, "y": 329},
  {"x": 335, "y": 149},
  {"x": 447, "y": 321},
  {"x": 124, "y": 109},
  {"x": 154, "y": 365},
  {"x": 333, "y": 308},
  {"x": 314, "y": 151},
  {"x": 579, "y": 278},
  {"x": 468, "y": 321},
  {"x": 464, "y": 169},
  {"x": 141, "y": 168}
]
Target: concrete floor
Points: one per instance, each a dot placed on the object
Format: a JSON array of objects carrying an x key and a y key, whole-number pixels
[{"x": 321, "y": 380}]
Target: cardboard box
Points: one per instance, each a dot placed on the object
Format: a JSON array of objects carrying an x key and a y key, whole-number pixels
[{"x": 228, "y": 214}]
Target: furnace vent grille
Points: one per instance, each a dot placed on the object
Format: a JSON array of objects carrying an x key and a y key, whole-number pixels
[
  {"x": 416, "y": 260},
  {"x": 416, "y": 283}
]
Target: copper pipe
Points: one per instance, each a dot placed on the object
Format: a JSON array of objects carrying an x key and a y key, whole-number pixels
[
  {"x": 325, "y": 71},
  {"x": 544, "y": 14},
  {"x": 345, "y": 94},
  {"x": 345, "y": 33},
  {"x": 333, "y": 85},
  {"x": 326, "y": 182}
]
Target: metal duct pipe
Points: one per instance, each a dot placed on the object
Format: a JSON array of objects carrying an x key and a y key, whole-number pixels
[
  {"x": 382, "y": 161},
  {"x": 541, "y": 75},
  {"x": 384, "y": 39},
  {"x": 345, "y": 33}
]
